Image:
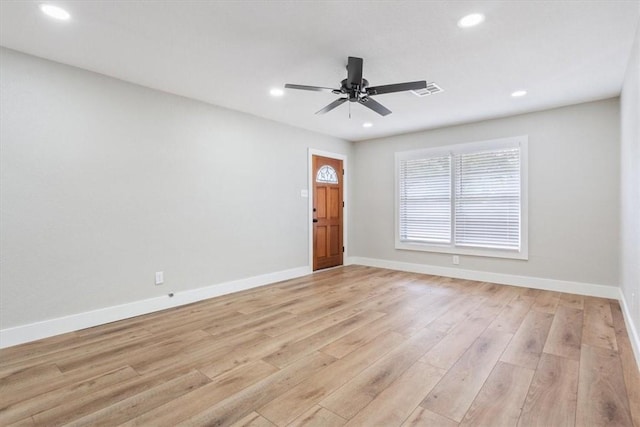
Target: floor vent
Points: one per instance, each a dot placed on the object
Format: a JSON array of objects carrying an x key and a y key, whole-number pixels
[{"x": 431, "y": 89}]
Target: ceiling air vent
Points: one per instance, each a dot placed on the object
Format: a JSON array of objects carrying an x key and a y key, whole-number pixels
[{"x": 431, "y": 89}]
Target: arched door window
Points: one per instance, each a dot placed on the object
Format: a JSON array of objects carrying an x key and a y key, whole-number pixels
[{"x": 327, "y": 174}]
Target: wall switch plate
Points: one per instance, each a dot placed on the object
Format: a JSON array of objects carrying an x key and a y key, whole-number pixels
[
  {"x": 159, "y": 277},
  {"x": 304, "y": 193},
  {"x": 456, "y": 259}
]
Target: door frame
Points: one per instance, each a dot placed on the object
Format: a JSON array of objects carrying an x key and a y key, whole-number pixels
[{"x": 311, "y": 177}]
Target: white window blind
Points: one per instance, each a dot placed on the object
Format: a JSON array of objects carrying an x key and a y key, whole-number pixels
[
  {"x": 487, "y": 199},
  {"x": 425, "y": 200},
  {"x": 465, "y": 198}
]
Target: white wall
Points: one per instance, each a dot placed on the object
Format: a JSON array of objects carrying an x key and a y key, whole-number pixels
[
  {"x": 104, "y": 183},
  {"x": 574, "y": 209},
  {"x": 630, "y": 187}
]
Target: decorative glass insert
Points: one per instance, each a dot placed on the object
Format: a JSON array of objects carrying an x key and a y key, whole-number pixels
[{"x": 327, "y": 174}]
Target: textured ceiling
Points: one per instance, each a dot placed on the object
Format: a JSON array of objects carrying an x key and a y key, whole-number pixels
[{"x": 231, "y": 53}]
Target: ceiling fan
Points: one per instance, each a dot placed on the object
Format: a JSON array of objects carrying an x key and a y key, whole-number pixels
[{"x": 356, "y": 89}]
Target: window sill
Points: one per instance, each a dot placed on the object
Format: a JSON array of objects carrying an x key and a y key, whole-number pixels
[{"x": 457, "y": 250}]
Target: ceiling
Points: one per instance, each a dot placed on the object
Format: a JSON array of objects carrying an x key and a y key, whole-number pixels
[{"x": 231, "y": 53}]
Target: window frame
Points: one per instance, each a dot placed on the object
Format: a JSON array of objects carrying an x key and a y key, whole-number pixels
[{"x": 522, "y": 142}]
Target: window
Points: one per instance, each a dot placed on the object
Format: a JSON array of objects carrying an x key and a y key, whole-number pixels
[
  {"x": 464, "y": 199},
  {"x": 425, "y": 200},
  {"x": 327, "y": 174}
]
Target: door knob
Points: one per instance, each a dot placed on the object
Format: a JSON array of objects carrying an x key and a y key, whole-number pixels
[{"x": 315, "y": 220}]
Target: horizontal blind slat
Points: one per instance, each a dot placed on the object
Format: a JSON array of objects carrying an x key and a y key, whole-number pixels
[
  {"x": 487, "y": 199},
  {"x": 425, "y": 200}
]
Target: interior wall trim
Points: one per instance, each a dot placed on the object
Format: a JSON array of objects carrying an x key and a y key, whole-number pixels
[
  {"x": 587, "y": 289},
  {"x": 48, "y": 328},
  {"x": 631, "y": 329},
  {"x": 60, "y": 325}
]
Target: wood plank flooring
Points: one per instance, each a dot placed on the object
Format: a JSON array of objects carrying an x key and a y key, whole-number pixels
[{"x": 355, "y": 346}]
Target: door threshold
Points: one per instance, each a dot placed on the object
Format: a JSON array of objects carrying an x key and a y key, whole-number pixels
[{"x": 328, "y": 268}]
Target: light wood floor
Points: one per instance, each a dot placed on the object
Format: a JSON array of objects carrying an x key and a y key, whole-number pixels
[{"x": 349, "y": 346}]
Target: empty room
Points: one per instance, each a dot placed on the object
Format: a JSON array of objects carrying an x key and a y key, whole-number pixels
[{"x": 320, "y": 213}]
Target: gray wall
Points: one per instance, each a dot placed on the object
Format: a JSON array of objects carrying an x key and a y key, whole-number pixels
[
  {"x": 630, "y": 180},
  {"x": 574, "y": 156},
  {"x": 104, "y": 183}
]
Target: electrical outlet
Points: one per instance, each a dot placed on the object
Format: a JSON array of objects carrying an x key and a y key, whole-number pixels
[
  {"x": 159, "y": 277},
  {"x": 456, "y": 259}
]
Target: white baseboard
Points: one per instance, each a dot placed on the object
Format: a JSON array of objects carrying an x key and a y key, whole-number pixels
[
  {"x": 590, "y": 289},
  {"x": 34, "y": 331},
  {"x": 631, "y": 329}
]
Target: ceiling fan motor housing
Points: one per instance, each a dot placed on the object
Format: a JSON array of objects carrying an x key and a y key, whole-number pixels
[{"x": 356, "y": 91}]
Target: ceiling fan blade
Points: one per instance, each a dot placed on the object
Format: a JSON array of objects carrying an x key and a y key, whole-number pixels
[
  {"x": 313, "y": 88},
  {"x": 331, "y": 106},
  {"x": 375, "y": 106},
  {"x": 398, "y": 87},
  {"x": 354, "y": 72}
]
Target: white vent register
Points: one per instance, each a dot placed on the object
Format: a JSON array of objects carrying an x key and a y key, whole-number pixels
[{"x": 431, "y": 89}]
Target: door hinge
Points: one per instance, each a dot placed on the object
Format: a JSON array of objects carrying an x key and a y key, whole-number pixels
[
  {"x": 342, "y": 171},
  {"x": 343, "y": 249},
  {"x": 343, "y": 204}
]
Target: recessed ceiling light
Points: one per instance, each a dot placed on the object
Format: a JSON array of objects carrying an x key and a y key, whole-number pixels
[
  {"x": 55, "y": 12},
  {"x": 470, "y": 20},
  {"x": 518, "y": 93},
  {"x": 367, "y": 124},
  {"x": 276, "y": 92}
]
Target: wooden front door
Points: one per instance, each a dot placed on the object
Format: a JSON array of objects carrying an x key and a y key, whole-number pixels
[{"x": 327, "y": 212}]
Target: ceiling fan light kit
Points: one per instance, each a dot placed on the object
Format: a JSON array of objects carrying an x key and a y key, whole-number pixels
[{"x": 356, "y": 89}]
